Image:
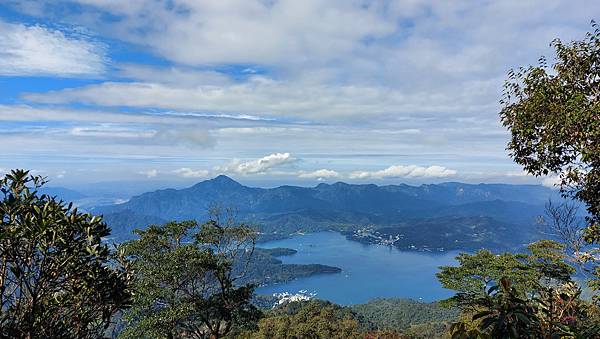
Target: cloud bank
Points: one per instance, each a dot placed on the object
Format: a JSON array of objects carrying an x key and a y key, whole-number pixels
[
  {"x": 411, "y": 171},
  {"x": 350, "y": 87}
]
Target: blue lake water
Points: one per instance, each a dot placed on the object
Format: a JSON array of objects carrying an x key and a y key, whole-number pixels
[{"x": 368, "y": 271}]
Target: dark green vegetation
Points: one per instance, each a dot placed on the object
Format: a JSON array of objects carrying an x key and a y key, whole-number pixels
[
  {"x": 56, "y": 276},
  {"x": 381, "y": 318},
  {"x": 264, "y": 268},
  {"x": 185, "y": 281},
  {"x": 553, "y": 114},
  {"x": 448, "y": 216},
  {"x": 279, "y": 251},
  {"x": 405, "y": 315},
  {"x": 544, "y": 263},
  {"x": 528, "y": 295},
  {"x": 312, "y": 319}
]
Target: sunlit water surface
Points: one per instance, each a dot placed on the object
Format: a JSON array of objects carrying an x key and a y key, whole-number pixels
[{"x": 368, "y": 271}]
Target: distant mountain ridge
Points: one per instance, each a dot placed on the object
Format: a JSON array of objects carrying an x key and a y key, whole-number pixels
[
  {"x": 62, "y": 193},
  {"x": 283, "y": 210}
]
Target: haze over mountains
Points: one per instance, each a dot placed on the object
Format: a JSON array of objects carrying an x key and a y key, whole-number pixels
[{"x": 439, "y": 216}]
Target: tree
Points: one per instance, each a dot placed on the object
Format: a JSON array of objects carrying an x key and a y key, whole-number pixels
[
  {"x": 476, "y": 273},
  {"x": 551, "y": 312},
  {"x": 519, "y": 295},
  {"x": 564, "y": 223},
  {"x": 184, "y": 281},
  {"x": 506, "y": 313},
  {"x": 553, "y": 114},
  {"x": 56, "y": 276},
  {"x": 309, "y": 319}
]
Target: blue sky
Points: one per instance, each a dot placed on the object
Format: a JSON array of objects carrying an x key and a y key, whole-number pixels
[{"x": 268, "y": 91}]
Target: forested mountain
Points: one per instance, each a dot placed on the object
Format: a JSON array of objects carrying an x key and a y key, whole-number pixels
[
  {"x": 445, "y": 212},
  {"x": 400, "y": 314}
]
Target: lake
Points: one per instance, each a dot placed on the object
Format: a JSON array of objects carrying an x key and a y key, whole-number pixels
[{"x": 368, "y": 271}]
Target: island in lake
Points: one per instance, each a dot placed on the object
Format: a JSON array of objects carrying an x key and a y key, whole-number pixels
[{"x": 266, "y": 268}]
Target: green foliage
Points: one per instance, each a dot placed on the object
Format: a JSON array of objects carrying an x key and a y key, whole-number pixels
[
  {"x": 553, "y": 114},
  {"x": 184, "y": 285},
  {"x": 56, "y": 277},
  {"x": 508, "y": 313},
  {"x": 432, "y": 330},
  {"x": 380, "y": 318},
  {"x": 519, "y": 295},
  {"x": 550, "y": 312},
  {"x": 476, "y": 273},
  {"x": 400, "y": 314},
  {"x": 311, "y": 319},
  {"x": 385, "y": 334}
]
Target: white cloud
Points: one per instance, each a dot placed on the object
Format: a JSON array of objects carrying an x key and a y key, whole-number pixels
[
  {"x": 187, "y": 172},
  {"x": 552, "y": 181},
  {"x": 260, "y": 98},
  {"x": 257, "y": 166},
  {"x": 517, "y": 174},
  {"x": 411, "y": 171},
  {"x": 359, "y": 59},
  {"x": 244, "y": 31},
  {"x": 149, "y": 173},
  {"x": 320, "y": 174},
  {"x": 37, "y": 50},
  {"x": 408, "y": 82}
]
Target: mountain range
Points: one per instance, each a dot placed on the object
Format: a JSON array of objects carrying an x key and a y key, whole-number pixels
[{"x": 444, "y": 216}]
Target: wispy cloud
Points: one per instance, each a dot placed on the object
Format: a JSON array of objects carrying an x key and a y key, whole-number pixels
[
  {"x": 38, "y": 50},
  {"x": 262, "y": 98}
]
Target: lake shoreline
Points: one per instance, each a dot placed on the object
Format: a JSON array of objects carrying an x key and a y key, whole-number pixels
[{"x": 368, "y": 270}]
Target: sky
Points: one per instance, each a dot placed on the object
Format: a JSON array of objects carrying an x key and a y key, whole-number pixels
[{"x": 268, "y": 91}]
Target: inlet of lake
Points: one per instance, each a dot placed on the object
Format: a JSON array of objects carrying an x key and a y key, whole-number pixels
[{"x": 368, "y": 271}]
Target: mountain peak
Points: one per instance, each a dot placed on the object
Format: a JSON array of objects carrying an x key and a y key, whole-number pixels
[
  {"x": 221, "y": 181},
  {"x": 223, "y": 178}
]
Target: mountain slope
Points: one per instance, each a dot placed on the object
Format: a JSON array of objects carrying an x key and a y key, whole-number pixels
[{"x": 279, "y": 211}]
